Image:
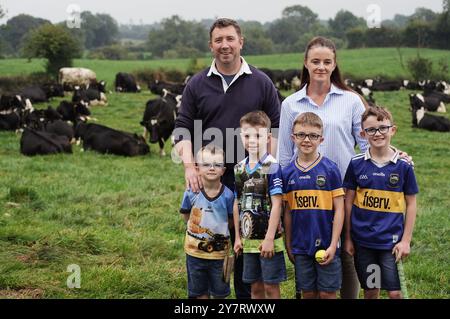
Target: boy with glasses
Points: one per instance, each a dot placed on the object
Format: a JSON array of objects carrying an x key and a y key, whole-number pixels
[
  {"x": 257, "y": 210},
  {"x": 381, "y": 187},
  {"x": 314, "y": 212},
  {"x": 208, "y": 214}
]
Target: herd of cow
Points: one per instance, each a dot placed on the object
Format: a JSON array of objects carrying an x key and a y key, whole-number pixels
[{"x": 49, "y": 131}]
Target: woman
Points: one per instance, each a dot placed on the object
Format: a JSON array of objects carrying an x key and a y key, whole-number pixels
[{"x": 324, "y": 93}]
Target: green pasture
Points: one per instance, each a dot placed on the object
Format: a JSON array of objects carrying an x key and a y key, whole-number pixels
[{"x": 117, "y": 218}]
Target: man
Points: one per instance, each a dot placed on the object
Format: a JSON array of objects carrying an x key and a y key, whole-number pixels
[{"x": 214, "y": 100}]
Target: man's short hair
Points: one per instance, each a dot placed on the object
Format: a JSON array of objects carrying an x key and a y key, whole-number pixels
[
  {"x": 379, "y": 112},
  {"x": 212, "y": 149},
  {"x": 309, "y": 118},
  {"x": 223, "y": 23},
  {"x": 256, "y": 118}
]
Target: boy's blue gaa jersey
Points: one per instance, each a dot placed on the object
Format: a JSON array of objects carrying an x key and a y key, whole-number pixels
[
  {"x": 377, "y": 212},
  {"x": 310, "y": 192},
  {"x": 253, "y": 190},
  {"x": 207, "y": 233}
]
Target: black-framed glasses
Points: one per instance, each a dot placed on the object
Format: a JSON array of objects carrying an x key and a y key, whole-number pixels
[
  {"x": 383, "y": 129},
  {"x": 213, "y": 165},
  {"x": 302, "y": 136}
]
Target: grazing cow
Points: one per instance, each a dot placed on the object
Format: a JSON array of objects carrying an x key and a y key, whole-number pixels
[
  {"x": 36, "y": 94},
  {"x": 441, "y": 96},
  {"x": 11, "y": 102},
  {"x": 106, "y": 140},
  {"x": 73, "y": 111},
  {"x": 125, "y": 82},
  {"x": 430, "y": 103},
  {"x": 90, "y": 95},
  {"x": 157, "y": 87},
  {"x": 60, "y": 128},
  {"x": 410, "y": 85},
  {"x": 366, "y": 93},
  {"x": 10, "y": 121},
  {"x": 71, "y": 77},
  {"x": 99, "y": 86},
  {"x": 429, "y": 122},
  {"x": 42, "y": 143},
  {"x": 159, "y": 120}
]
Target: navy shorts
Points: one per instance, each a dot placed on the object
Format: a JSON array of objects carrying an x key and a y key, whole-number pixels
[
  {"x": 369, "y": 261},
  {"x": 205, "y": 277},
  {"x": 268, "y": 270},
  {"x": 310, "y": 276}
]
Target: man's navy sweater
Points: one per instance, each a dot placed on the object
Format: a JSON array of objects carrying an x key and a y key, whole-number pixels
[{"x": 204, "y": 99}]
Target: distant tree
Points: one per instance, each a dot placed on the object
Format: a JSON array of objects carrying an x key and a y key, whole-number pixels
[
  {"x": 399, "y": 21},
  {"x": 382, "y": 37},
  {"x": 98, "y": 30},
  {"x": 53, "y": 43},
  {"x": 418, "y": 33},
  {"x": 356, "y": 38},
  {"x": 178, "y": 34},
  {"x": 2, "y": 13},
  {"x": 344, "y": 21},
  {"x": 296, "y": 21},
  {"x": 424, "y": 14},
  {"x": 442, "y": 27},
  {"x": 255, "y": 39},
  {"x": 17, "y": 27}
]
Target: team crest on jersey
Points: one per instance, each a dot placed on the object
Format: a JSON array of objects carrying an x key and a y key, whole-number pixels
[
  {"x": 393, "y": 180},
  {"x": 320, "y": 181}
]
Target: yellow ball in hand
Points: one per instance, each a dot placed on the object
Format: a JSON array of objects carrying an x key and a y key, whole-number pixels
[{"x": 320, "y": 256}]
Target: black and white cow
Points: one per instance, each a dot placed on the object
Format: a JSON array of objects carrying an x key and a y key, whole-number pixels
[
  {"x": 159, "y": 119},
  {"x": 73, "y": 111},
  {"x": 125, "y": 82},
  {"x": 158, "y": 87},
  {"x": 12, "y": 110},
  {"x": 106, "y": 140},
  {"x": 92, "y": 96},
  {"x": 35, "y": 142},
  {"x": 430, "y": 103},
  {"x": 429, "y": 122}
]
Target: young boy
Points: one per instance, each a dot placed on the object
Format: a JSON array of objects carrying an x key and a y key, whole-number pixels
[
  {"x": 380, "y": 187},
  {"x": 314, "y": 213},
  {"x": 257, "y": 210},
  {"x": 208, "y": 215}
]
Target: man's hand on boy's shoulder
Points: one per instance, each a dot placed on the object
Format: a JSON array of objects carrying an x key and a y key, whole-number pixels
[{"x": 192, "y": 178}]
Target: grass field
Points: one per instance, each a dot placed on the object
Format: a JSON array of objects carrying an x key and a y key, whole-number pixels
[{"x": 117, "y": 218}]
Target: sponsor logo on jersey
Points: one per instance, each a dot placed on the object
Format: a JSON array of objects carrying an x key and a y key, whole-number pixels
[{"x": 363, "y": 177}]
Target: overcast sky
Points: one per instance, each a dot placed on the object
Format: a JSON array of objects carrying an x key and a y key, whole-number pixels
[{"x": 150, "y": 11}]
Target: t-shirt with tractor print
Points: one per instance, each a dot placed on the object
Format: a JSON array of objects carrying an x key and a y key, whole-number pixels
[
  {"x": 254, "y": 187},
  {"x": 207, "y": 234}
]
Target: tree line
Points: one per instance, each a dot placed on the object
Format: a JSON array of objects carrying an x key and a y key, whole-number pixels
[{"x": 99, "y": 35}]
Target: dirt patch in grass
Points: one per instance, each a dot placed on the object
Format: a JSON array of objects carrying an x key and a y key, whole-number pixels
[{"x": 26, "y": 293}]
